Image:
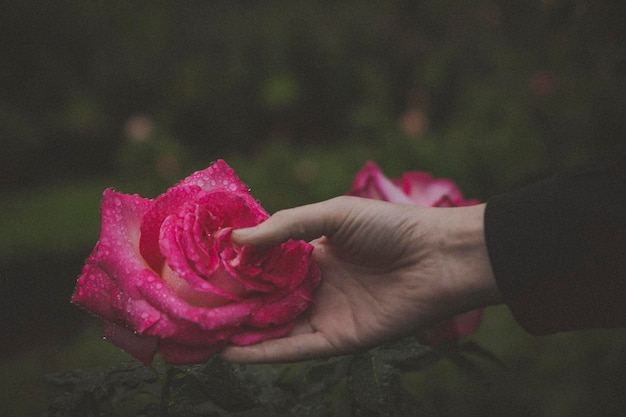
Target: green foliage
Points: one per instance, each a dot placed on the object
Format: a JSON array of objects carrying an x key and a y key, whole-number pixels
[
  {"x": 512, "y": 90},
  {"x": 372, "y": 382},
  {"x": 60, "y": 218}
]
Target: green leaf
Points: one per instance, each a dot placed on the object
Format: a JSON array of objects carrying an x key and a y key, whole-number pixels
[
  {"x": 376, "y": 388},
  {"x": 407, "y": 355},
  {"x": 314, "y": 377},
  {"x": 219, "y": 382},
  {"x": 96, "y": 392},
  {"x": 310, "y": 409}
]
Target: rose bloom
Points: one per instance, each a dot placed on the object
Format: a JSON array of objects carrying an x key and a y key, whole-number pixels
[
  {"x": 166, "y": 277},
  {"x": 420, "y": 189}
]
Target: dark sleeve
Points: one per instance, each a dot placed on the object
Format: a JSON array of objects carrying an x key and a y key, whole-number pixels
[{"x": 558, "y": 248}]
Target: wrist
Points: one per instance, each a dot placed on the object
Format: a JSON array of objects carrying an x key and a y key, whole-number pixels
[{"x": 469, "y": 275}]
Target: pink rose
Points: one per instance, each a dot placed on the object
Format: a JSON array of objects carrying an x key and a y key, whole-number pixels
[
  {"x": 420, "y": 189},
  {"x": 166, "y": 278}
]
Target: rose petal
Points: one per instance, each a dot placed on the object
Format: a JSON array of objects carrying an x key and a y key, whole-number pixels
[
  {"x": 141, "y": 347},
  {"x": 165, "y": 205},
  {"x": 425, "y": 191},
  {"x": 246, "y": 265},
  {"x": 94, "y": 292},
  {"x": 137, "y": 314},
  {"x": 291, "y": 266},
  {"x": 165, "y": 299},
  {"x": 178, "y": 262},
  {"x": 452, "y": 329},
  {"x": 117, "y": 252},
  {"x": 218, "y": 175},
  {"x": 283, "y": 310},
  {"x": 188, "y": 333},
  {"x": 370, "y": 182},
  {"x": 231, "y": 210},
  {"x": 178, "y": 354}
]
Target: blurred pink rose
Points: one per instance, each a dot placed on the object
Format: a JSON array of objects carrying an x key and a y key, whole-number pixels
[
  {"x": 542, "y": 83},
  {"x": 166, "y": 278},
  {"x": 420, "y": 189}
]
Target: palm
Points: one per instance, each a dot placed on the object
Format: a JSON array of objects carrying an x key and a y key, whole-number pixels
[{"x": 358, "y": 306}]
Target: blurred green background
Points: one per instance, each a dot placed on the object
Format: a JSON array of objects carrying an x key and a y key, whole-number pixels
[{"x": 296, "y": 96}]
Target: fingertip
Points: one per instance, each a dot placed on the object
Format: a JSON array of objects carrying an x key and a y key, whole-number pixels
[{"x": 243, "y": 235}]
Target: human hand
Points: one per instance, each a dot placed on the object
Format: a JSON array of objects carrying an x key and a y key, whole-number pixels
[{"x": 387, "y": 271}]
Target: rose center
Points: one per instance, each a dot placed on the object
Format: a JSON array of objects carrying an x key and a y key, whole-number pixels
[{"x": 195, "y": 297}]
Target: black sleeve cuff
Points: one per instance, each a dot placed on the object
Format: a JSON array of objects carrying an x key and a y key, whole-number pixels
[{"x": 556, "y": 247}]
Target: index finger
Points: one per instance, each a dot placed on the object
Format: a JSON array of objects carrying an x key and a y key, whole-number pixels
[{"x": 301, "y": 223}]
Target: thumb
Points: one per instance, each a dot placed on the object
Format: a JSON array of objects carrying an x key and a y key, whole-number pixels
[{"x": 300, "y": 223}]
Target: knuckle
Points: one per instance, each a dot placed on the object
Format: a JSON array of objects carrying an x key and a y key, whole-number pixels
[{"x": 288, "y": 222}]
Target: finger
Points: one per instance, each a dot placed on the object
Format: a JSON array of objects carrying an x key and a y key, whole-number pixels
[
  {"x": 296, "y": 348},
  {"x": 300, "y": 223}
]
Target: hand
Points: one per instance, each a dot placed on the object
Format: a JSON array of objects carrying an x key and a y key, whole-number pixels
[{"x": 387, "y": 271}]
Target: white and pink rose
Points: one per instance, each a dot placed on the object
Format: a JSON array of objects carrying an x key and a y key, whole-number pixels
[{"x": 166, "y": 277}]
